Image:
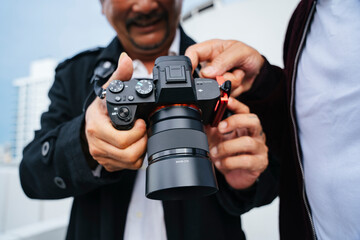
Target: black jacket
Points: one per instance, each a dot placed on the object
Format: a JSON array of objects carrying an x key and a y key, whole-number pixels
[{"x": 54, "y": 166}]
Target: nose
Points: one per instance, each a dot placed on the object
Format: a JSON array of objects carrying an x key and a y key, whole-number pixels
[{"x": 145, "y": 6}]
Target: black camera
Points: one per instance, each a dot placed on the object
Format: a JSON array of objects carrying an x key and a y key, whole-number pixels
[{"x": 176, "y": 107}]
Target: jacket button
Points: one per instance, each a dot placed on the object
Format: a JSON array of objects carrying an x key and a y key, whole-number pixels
[
  {"x": 45, "y": 148},
  {"x": 60, "y": 182}
]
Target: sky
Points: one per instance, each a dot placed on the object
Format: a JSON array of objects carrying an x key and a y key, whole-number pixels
[{"x": 37, "y": 29}]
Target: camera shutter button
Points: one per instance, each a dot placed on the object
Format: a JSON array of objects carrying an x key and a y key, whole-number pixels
[{"x": 124, "y": 113}]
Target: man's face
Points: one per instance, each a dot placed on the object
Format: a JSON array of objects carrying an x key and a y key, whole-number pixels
[{"x": 143, "y": 25}]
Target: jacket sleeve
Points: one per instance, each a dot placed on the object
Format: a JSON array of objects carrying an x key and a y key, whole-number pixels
[
  {"x": 54, "y": 164},
  {"x": 266, "y": 99}
]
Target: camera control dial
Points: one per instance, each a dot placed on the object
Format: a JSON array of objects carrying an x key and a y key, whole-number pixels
[
  {"x": 116, "y": 86},
  {"x": 124, "y": 114},
  {"x": 144, "y": 88}
]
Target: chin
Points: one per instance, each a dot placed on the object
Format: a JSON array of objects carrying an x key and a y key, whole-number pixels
[{"x": 150, "y": 45}]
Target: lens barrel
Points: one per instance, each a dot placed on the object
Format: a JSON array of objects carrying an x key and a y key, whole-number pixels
[{"x": 179, "y": 164}]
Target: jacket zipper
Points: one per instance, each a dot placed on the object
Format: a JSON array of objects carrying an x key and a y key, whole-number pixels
[{"x": 312, "y": 11}]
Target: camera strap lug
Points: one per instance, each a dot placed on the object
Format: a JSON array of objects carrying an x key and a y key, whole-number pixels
[
  {"x": 225, "y": 88},
  {"x": 101, "y": 74}
]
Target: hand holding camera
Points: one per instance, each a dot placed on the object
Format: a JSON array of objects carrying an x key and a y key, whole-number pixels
[
  {"x": 176, "y": 107},
  {"x": 231, "y": 59},
  {"x": 115, "y": 150},
  {"x": 238, "y": 146}
]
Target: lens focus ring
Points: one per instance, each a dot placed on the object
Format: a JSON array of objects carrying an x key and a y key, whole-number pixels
[{"x": 178, "y": 152}]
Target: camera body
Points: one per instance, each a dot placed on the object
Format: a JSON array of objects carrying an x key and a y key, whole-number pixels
[
  {"x": 172, "y": 83},
  {"x": 176, "y": 107}
]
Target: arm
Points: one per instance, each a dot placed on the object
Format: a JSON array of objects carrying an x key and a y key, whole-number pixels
[
  {"x": 56, "y": 153},
  {"x": 258, "y": 84}
]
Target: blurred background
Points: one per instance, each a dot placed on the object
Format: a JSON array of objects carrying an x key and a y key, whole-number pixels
[{"x": 36, "y": 35}]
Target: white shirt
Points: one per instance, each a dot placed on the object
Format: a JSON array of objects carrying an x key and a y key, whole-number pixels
[
  {"x": 327, "y": 102},
  {"x": 145, "y": 217}
]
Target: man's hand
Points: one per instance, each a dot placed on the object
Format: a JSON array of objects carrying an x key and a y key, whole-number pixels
[
  {"x": 232, "y": 59},
  {"x": 237, "y": 146},
  {"x": 114, "y": 149}
]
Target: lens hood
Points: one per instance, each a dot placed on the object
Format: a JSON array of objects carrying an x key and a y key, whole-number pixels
[{"x": 180, "y": 178}]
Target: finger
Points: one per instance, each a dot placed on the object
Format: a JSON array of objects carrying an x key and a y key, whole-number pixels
[
  {"x": 251, "y": 163},
  {"x": 101, "y": 148},
  {"x": 124, "y": 138},
  {"x": 241, "y": 178},
  {"x": 112, "y": 165},
  {"x": 237, "y": 107},
  {"x": 235, "y": 76},
  {"x": 129, "y": 155},
  {"x": 241, "y": 145},
  {"x": 238, "y": 85},
  {"x": 213, "y": 135},
  {"x": 250, "y": 122},
  {"x": 123, "y": 71},
  {"x": 110, "y": 156},
  {"x": 234, "y": 55},
  {"x": 199, "y": 52},
  {"x": 209, "y": 51},
  {"x": 104, "y": 130}
]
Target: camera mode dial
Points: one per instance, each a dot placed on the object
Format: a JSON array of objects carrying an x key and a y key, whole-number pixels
[
  {"x": 144, "y": 88},
  {"x": 116, "y": 86}
]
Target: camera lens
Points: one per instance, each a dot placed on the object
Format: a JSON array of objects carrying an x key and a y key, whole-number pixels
[{"x": 179, "y": 163}]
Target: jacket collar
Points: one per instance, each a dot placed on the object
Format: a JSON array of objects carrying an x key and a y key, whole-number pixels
[{"x": 111, "y": 52}]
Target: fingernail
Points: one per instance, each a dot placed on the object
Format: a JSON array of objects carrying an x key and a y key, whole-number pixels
[
  {"x": 214, "y": 151},
  {"x": 208, "y": 71},
  {"x": 222, "y": 125},
  {"x": 122, "y": 55},
  {"x": 217, "y": 164}
]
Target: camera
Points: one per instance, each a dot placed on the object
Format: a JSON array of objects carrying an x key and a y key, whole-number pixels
[{"x": 176, "y": 107}]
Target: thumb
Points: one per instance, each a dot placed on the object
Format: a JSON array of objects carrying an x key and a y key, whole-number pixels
[{"x": 123, "y": 71}]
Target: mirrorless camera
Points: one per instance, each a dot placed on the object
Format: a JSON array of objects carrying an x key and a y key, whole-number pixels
[{"x": 176, "y": 107}]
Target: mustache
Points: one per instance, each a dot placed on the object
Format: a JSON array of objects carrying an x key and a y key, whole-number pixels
[{"x": 143, "y": 19}]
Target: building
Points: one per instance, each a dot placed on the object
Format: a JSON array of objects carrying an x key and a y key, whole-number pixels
[
  {"x": 32, "y": 101},
  {"x": 21, "y": 217},
  {"x": 5, "y": 153}
]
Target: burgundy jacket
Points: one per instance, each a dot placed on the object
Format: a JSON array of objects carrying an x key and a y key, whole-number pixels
[{"x": 276, "y": 109}]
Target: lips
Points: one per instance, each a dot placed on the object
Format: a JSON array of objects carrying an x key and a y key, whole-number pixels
[{"x": 144, "y": 21}]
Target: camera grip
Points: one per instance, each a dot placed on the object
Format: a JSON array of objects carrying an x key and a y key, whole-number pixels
[{"x": 122, "y": 116}]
